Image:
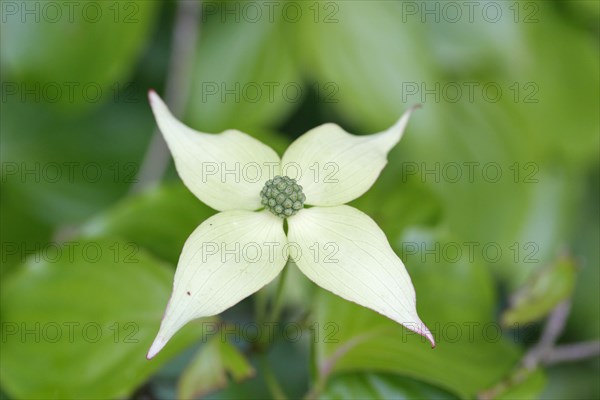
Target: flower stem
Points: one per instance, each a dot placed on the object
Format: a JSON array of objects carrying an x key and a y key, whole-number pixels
[
  {"x": 277, "y": 303},
  {"x": 262, "y": 317},
  {"x": 260, "y": 306},
  {"x": 268, "y": 315}
]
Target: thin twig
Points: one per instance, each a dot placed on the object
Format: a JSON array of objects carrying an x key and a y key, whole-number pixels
[
  {"x": 183, "y": 44},
  {"x": 572, "y": 352},
  {"x": 546, "y": 352},
  {"x": 550, "y": 334}
]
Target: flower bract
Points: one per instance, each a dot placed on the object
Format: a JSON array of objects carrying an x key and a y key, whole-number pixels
[{"x": 236, "y": 252}]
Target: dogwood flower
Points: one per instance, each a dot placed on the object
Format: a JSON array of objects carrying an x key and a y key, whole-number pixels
[{"x": 238, "y": 251}]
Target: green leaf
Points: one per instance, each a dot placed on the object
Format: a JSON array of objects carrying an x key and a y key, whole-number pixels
[
  {"x": 398, "y": 201},
  {"x": 245, "y": 75},
  {"x": 588, "y": 11},
  {"x": 286, "y": 359},
  {"x": 533, "y": 204},
  {"x": 455, "y": 300},
  {"x": 72, "y": 318},
  {"x": 380, "y": 386},
  {"x": 573, "y": 381},
  {"x": 563, "y": 105},
  {"x": 529, "y": 388},
  {"x": 544, "y": 291},
  {"x": 208, "y": 371},
  {"x": 583, "y": 321},
  {"x": 72, "y": 55},
  {"x": 63, "y": 170},
  {"x": 159, "y": 219},
  {"x": 475, "y": 44},
  {"x": 359, "y": 69},
  {"x": 21, "y": 233},
  {"x": 494, "y": 190}
]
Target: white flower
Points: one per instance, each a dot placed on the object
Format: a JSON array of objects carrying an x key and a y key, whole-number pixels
[{"x": 241, "y": 249}]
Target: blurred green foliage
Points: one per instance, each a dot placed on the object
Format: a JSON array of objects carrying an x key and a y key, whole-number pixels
[
  {"x": 545, "y": 289},
  {"x": 75, "y": 126},
  {"x": 215, "y": 360},
  {"x": 66, "y": 311}
]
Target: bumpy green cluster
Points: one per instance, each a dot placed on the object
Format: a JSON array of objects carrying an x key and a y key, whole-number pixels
[{"x": 282, "y": 196}]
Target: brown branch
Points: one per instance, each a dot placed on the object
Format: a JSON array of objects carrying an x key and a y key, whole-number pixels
[
  {"x": 181, "y": 63},
  {"x": 546, "y": 352},
  {"x": 572, "y": 352},
  {"x": 553, "y": 328}
]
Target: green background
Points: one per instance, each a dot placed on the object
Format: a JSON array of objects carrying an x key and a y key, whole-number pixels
[{"x": 501, "y": 159}]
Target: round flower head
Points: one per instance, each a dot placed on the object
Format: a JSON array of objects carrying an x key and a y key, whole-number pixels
[{"x": 282, "y": 196}]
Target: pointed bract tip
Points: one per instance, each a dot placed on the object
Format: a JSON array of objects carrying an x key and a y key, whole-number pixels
[
  {"x": 400, "y": 125},
  {"x": 410, "y": 110},
  {"x": 157, "y": 346},
  {"x": 427, "y": 333},
  {"x": 421, "y": 329},
  {"x": 152, "y": 95}
]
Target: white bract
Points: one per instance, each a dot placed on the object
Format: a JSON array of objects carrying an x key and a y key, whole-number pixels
[{"x": 244, "y": 247}]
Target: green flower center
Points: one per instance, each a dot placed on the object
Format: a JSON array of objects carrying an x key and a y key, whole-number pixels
[{"x": 282, "y": 196}]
